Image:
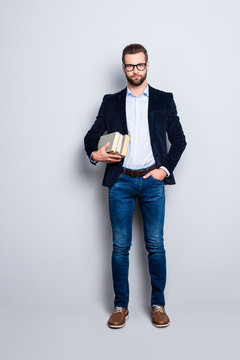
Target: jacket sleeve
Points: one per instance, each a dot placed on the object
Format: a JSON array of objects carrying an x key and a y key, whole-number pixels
[
  {"x": 176, "y": 137},
  {"x": 92, "y": 137}
]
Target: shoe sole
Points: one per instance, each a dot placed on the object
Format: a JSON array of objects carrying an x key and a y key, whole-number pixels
[
  {"x": 118, "y": 326},
  {"x": 157, "y": 325}
]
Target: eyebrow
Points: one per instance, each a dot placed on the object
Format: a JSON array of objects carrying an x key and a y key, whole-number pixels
[{"x": 136, "y": 64}]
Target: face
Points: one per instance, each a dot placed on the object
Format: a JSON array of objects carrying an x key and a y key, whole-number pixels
[{"x": 135, "y": 77}]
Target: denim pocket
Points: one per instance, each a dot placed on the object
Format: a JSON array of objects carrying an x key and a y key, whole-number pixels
[
  {"x": 156, "y": 178},
  {"x": 120, "y": 176}
]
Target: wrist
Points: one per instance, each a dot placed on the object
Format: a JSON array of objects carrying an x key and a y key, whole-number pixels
[
  {"x": 162, "y": 171},
  {"x": 166, "y": 170},
  {"x": 93, "y": 155}
]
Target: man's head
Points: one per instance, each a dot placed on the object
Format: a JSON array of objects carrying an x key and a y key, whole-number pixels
[{"x": 135, "y": 54}]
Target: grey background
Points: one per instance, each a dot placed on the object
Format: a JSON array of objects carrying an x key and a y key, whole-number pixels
[{"x": 58, "y": 59}]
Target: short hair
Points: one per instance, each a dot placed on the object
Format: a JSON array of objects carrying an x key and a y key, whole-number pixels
[{"x": 134, "y": 49}]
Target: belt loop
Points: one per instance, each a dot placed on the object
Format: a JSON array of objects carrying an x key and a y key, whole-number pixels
[{"x": 148, "y": 169}]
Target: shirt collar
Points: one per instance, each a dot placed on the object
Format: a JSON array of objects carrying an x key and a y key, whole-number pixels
[{"x": 146, "y": 91}]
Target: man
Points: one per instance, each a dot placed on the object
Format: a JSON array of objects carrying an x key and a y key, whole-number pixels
[{"x": 147, "y": 115}]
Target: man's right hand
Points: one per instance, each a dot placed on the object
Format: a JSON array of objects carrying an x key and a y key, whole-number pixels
[{"x": 102, "y": 155}]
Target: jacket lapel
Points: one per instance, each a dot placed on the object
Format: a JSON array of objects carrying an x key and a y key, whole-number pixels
[
  {"x": 122, "y": 109},
  {"x": 151, "y": 103}
]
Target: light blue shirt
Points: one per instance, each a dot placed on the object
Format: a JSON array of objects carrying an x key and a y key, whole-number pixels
[{"x": 139, "y": 154}]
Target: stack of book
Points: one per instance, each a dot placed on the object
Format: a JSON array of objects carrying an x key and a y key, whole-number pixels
[{"x": 118, "y": 143}]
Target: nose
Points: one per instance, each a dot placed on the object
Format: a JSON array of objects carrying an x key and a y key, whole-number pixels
[{"x": 135, "y": 70}]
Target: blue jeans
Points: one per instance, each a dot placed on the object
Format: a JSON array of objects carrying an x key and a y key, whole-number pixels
[{"x": 151, "y": 197}]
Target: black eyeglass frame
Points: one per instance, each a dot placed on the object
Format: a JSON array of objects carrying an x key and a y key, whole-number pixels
[{"x": 133, "y": 66}]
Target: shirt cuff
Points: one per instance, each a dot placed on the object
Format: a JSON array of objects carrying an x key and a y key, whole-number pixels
[
  {"x": 163, "y": 167},
  {"x": 91, "y": 159}
]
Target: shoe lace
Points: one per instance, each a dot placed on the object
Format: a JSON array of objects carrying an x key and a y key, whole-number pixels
[
  {"x": 118, "y": 309},
  {"x": 158, "y": 308}
]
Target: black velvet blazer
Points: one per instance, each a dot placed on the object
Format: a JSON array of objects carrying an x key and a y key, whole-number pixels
[{"x": 163, "y": 119}]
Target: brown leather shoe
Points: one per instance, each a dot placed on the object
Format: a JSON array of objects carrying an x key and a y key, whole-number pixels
[
  {"x": 159, "y": 316},
  {"x": 118, "y": 317}
]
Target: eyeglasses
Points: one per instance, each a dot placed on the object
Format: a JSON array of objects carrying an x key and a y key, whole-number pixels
[{"x": 130, "y": 67}]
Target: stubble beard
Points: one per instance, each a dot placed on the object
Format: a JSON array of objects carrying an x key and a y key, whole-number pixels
[{"x": 136, "y": 82}]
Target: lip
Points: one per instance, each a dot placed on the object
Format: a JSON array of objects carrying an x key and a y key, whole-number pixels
[{"x": 136, "y": 76}]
